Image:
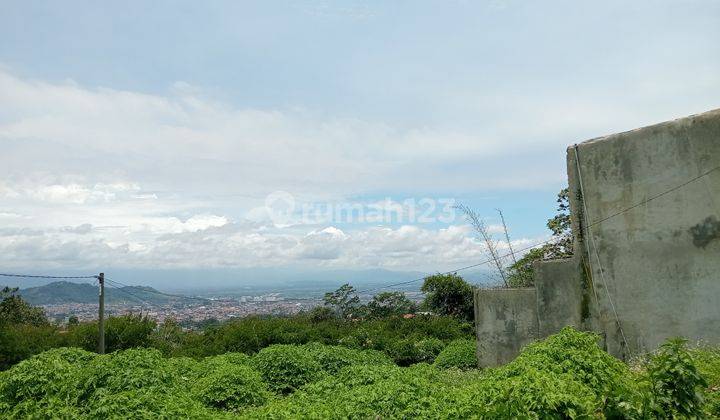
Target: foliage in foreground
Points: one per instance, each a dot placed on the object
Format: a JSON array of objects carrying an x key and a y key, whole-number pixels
[
  {"x": 394, "y": 336},
  {"x": 564, "y": 376},
  {"x": 458, "y": 354}
]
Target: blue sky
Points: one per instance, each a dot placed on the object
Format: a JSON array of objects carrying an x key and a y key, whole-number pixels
[{"x": 148, "y": 135}]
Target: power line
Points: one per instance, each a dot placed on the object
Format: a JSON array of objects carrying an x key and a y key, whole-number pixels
[
  {"x": 552, "y": 239},
  {"x": 133, "y": 295},
  {"x": 157, "y": 292},
  {"x": 32, "y": 276},
  {"x": 458, "y": 269},
  {"x": 655, "y": 197}
]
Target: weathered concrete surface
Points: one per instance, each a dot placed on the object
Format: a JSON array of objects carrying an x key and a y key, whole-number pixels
[
  {"x": 560, "y": 300},
  {"x": 660, "y": 260},
  {"x": 506, "y": 320}
]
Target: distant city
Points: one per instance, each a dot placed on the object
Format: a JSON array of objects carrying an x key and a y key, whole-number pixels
[
  {"x": 64, "y": 300},
  {"x": 188, "y": 312}
]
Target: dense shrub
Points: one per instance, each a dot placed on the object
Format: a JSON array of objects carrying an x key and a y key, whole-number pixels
[
  {"x": 231, "y": 387},
  {"x": 415, "y": 350},
  {"x": 334, "y": 358},
  {"x": 149, "y": 404},
  {"x": 226, "y": 359},
  {"x": 707, "y": 360},
  {"x": 676, "y": 382},
  {"x": 564, "y": 376},
  {"x": 576, "y": 356},
  {"x": 286, "y": 368},
  {"x": 393, "y": 393},
  {"x": 121, "y": 333},
  {"x": 44, "y": 374},
  {"x": 458, "y": 354},
  {"x": 18, "y": 342}
]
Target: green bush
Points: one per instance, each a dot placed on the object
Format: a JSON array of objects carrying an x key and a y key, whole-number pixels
[
  {"x": 231, "y": 387},
  {"x": 577, "y": 357},
  {"x": 458, "y": 354},
  {"x": 334, "y": 358},
  {"x": 20, "y": 341},
  {"x": 286, "y": 368},
  {"x": 45, "y": 374},
  {"x": 148, "y": 404},
  {"x": 707, "y": 360},
  {"x": 676, "y": 382},
  {"x": 121, "y": 333},
  {"x": 226, "y": 359},
  {"x": 564, "y": 376},
  {"x": 415, "y": 350}
]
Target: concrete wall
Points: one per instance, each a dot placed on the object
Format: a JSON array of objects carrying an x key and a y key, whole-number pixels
[
  {"x": 506, "y": 320},
  {"x": 560, "y": 300},
  {"x": 660, "y": 260},
  {"x": 647, "y": 250}
]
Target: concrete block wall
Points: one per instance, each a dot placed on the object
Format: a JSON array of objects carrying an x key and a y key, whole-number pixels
[
  {"x": 660, "y": 260},
  {"x": 506, "y": 320},
  {"x": 559, "y": 290},
  {"x": 647, "y": 253}
]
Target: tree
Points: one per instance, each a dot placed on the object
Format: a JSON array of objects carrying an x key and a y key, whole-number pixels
[
  {"x": 448, "y": 294},
  {"x": 14, "y": 310},
  {"x": 167, "y": 337},
  {"x": 343, "y": 300},
  {"x": 321, "y": 314},
  {"x": 388, "y": 304},
  {"x": 521, "y": 273},
  {"x": 561, "y": 228}
]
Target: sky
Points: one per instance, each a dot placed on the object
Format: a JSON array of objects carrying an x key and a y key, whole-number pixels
[{"x": 317, "y": 134}]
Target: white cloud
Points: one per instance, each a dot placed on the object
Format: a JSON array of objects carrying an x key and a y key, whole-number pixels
[{"x": 94, "y": 176}]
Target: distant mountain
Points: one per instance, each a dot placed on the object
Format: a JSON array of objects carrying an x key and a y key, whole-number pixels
[
  {"x": 61, "y": 292},
  {"x": 212, "y": 282}
]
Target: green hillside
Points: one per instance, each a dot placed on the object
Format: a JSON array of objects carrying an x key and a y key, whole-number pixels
[{"x": 61, "y": 292}]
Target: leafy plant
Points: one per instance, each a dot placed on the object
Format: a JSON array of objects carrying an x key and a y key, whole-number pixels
[
  {"x": 286, "y": 368},
  {"x": 231, "y": 387},
  {"x": 448, "y": 294},
  {"x": 388, "y": 304},
  {"x": 676, "y": 382},
  {"x": 344, "y": 300},
  {"x": 460, "y": 354}
]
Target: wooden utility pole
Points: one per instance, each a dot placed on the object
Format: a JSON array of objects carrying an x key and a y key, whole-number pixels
[{"x": 101, "y": 314}]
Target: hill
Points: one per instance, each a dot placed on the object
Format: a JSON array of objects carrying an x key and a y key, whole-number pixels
[{"x": 61, "y": 292}]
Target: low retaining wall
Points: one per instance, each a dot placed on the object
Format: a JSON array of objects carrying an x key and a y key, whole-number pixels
[
  {"x": 559, "y": 296},
  {"x": 506, "y": 320}
]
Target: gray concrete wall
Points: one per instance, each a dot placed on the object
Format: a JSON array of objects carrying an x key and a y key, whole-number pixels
[
  {"x": 560, "y": 300},
  {"x": 661, "y": 260},
  {"x": 506, "y": 320}
]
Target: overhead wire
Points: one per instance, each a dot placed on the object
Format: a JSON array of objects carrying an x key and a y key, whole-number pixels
[
  {"x": 121, "y": 289},
  {"x": 675, "y": 188},
  {"x": 157, "y": 292},
  {"x": 35, "y": 276}
]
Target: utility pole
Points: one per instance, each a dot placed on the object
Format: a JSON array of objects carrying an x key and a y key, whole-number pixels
[
  {"x": 507, "y": 237},
  {"x": 101, "y": 314}
]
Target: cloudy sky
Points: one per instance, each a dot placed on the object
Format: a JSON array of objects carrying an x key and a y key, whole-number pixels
[{"x": 317, "y": 134}]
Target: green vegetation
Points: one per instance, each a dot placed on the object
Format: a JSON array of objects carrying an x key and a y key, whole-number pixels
[
  {"x": 343, "y": 360},
  {"x": 458, "y": 354},
  {"x": 406, "y": 341},
  {"x": 564, "y": 376},
  {"x": 520, "y": 274},
  {"x": 449, "y": 294}
]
